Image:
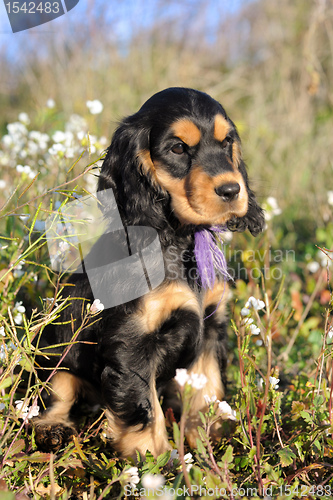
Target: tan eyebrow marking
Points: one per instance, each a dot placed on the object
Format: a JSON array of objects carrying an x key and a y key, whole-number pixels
[
  {"x": 221, "y": 128},
  {"x": 187, "y": 131}
]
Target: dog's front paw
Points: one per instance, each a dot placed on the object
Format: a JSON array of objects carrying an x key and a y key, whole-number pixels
[{"x": 51, "y": 437}]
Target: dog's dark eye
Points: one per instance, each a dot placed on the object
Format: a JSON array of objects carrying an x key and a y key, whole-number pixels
[
  {"x": 226, "y": 142},
  {"x": 178, "y": 149}
]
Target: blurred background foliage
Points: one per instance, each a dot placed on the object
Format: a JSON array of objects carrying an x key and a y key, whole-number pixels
[{"x": 269, "y": 63}]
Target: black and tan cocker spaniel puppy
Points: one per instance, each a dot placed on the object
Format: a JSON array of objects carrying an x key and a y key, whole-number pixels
[{"x": 175, "y": 166}]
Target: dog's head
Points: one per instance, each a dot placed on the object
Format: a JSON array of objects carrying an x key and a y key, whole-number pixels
[{"x": 182, "y": 151}]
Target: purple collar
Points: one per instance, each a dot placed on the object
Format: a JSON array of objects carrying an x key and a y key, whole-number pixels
[{"x": 209, "y": 255}]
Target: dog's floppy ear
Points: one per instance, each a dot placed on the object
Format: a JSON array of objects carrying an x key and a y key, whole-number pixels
[
  {"x": 121, "y": 158},
  {"x": 129, "y": 171},
  {"x": 254, "y": 219}
]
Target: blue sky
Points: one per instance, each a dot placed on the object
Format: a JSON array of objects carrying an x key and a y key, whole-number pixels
[{"x": 142, "y": 12}]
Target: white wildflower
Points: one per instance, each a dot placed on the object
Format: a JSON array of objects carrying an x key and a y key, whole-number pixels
[
  {"x": 26, "y": 169},
  {"x": 59, "y": 136},
  {"x": 188, "y": 459},
  {"x": 2, "y": 331},
  {"x": 152, "y": 481},
  {"x": 274, "y": 382},
  {"x": 226, "y": 412},
  {"x": 260, "y": 384},
  {"x": 24, "y": 118},
  {"x": 97, "y": 306},
  {"x": 19, "y": 308},
  {"x": 245, "y": 311},
  {"x": 25, "y": 411},
  {"x": 330, "y": 332},
  {"x": 17, "y": 129},
  {"x": 259, "y": 343},
  {"x": 50, "y": 103},
  {"x": 76, "y": 124},
  {"x": 330, "y": 197},
  {"x": 7, "y": 141},
  {"x": 18, "y": 318},
  {"x": 313, "y": 266},
  {"x": 3, "y": 353},
  {"x": 256, "y": 304},
  {"x": 95, "y": 107},
  {"x": 70, "y": 153},
  {"x": 132, "y": 475},
  {"x": 254, "y": 330},
  {"x": 247, "y": 321},
  {"x": 198, "y": 380},
  {"x": 2, "y": 184},
  {"x": 18, "y": 269},
  {"x": 226, "y": 235},
  {"x": 2, "y": 406},
  {"x": 174, "y": 455},
  {"x": 182, "y": 376},
  {"x": 325, "y": 261},
  {"x": 210, "y": 399},
  {"x": 271, "y": 208},
  {"x": 57, "y": 148}
]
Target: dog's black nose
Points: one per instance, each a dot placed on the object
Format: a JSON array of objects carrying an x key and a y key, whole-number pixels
[{"x": 228, "y": 192}]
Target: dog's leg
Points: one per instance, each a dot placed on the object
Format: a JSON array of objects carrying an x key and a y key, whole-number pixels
[
  {"x": 54, "y": 428},
  {"x": 129, "y": 439},
  {"x": 212, "y": 361},
  {"x": 160, "y": 337}
]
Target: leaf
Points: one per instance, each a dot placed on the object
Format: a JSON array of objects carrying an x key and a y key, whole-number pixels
[
  {"x": 203, "y": 435},
  {"x": 7, "y": 382},
  {"x": 286, "y": 456},
  {"x": 252, "y": 452},
  {"x": 203, "y": 419},
  {"x": 36, "y": 457},
  {"x": 18, "y": 446},
  {"x": 201, "y": 449},
  {"x": 176, "y": 434},
  {"x": 318, "y": 401},
  {"x": 177, "y": 481},
  {"x": 79, "y": 449},
  {"x": 317, "y": 444},
  {"x": 161, "y": 461},
  {"x": 298, "y": 445},
  {"x": 228, "y": 456},
  {"x": 306, "y": 416},
  {"x": 296, "y": 408}
]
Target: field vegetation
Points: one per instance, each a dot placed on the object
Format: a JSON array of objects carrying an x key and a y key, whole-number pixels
[{"x": 271, "y": 66}]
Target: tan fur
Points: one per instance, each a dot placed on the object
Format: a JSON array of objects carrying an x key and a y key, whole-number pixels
[
  {"x": 236, "y": 154},
  {"x": 158, "y": 305},
  {"x": 65, "y": 389},
  {"x": 221, "y": 128},
  {"x": 207, "y": 365},
  {"x": 187, "y": 131},
  {"x": 126, "y": 440},
  {"x": 217, "y": 297},
  {"x": 195, "y": 201},
  {"x": 148, "y": 166}
]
